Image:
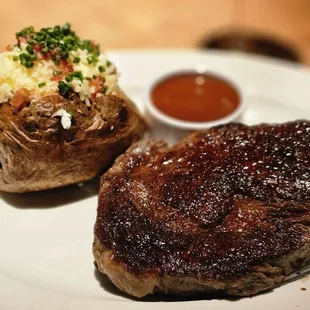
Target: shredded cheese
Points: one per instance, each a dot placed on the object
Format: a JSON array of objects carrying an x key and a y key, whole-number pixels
[{"x": 13, "y": 75}]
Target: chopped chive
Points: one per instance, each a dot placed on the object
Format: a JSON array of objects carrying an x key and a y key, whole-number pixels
[
  {"x": 77, "y": 74},
  {"x": 32, "y": 41},
  {"x": 56, "y": 72},
  {"x": 105, "y": 89},
  {"x": 64, "y": 89},
  {"x": 94, "y": 76},
  {"x": 34, "y": 57},
  {"x": 44, "y": 49},
  {"x": 56, "y": 42},
  {"x": 109, "y": 63},
  {"x": 64, "y": 54},
  {"x": 26, "y": 60},
  {"x": 55, "y": 59},
  {"x": 68, "y": 78},
  {"x": 42, "y": 84},
  {"x": 25, "y": 32},
  {"x": 66, "y": 28},
  {"x": 15, "y": 58},
  {"x": 29, "y": 49}
]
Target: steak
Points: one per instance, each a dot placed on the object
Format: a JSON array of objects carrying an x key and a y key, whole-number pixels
[{"x": 225, "y": 211}]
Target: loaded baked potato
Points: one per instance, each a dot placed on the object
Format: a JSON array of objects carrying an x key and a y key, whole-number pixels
[{"x": 63, "y": 118}]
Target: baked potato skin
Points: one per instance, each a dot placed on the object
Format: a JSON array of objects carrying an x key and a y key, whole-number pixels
[{"x": 37, "y": 153}]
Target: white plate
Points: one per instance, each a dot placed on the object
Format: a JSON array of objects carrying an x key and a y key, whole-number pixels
[{"x": 46, "y": 238}]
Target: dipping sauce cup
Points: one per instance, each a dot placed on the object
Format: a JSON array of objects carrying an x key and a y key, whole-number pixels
[{"x": 192, "y": 100}]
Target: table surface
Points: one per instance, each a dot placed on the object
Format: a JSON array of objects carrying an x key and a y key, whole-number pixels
[{"x": 161, "y": 23}]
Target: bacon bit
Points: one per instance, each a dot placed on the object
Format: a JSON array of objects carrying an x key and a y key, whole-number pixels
[
  {"x": 37, "y": 48},
  {"x": 65, "y": 66},
  {"x": 20, "y": 99},
  {"x": 22, "y": 40},
  {"x": 57, "y": 78},
  {"x": 9, "y": 48},
  {"x": 44, "y": 56},
  {"x": 93, "y": 44},
  {"x": 98, "y": 83},
  {"x": 41, "y": 56},
  {"x": 65, "y": 69}
]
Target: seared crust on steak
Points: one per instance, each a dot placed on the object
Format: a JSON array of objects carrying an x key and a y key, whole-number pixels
[
  {"x": 37, "y": 153},
  {"x": 224, "y": 211}
]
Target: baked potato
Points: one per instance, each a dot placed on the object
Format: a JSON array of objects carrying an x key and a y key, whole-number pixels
[{"x": 63, "y": 118}]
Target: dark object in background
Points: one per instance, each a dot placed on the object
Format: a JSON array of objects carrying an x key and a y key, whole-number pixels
[{"x": 254, "y": 43}]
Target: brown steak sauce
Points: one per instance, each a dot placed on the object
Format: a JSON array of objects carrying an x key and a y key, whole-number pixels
[{"x": 195, "y": 97}]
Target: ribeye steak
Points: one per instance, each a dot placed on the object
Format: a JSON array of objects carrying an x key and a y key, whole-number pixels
[{"x": 226, "y": 210}]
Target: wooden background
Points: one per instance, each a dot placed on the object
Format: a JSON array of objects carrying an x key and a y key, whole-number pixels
[{"x": 160, "y": 23}]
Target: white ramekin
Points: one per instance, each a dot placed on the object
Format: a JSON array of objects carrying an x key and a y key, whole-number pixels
[{"x": 154, "y": 112}]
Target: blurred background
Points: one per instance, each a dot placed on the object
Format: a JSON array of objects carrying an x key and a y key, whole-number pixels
[{"x": 276, "y": 27}]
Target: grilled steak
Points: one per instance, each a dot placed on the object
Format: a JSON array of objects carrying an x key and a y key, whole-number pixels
[{"x": 226, "y": 210}]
